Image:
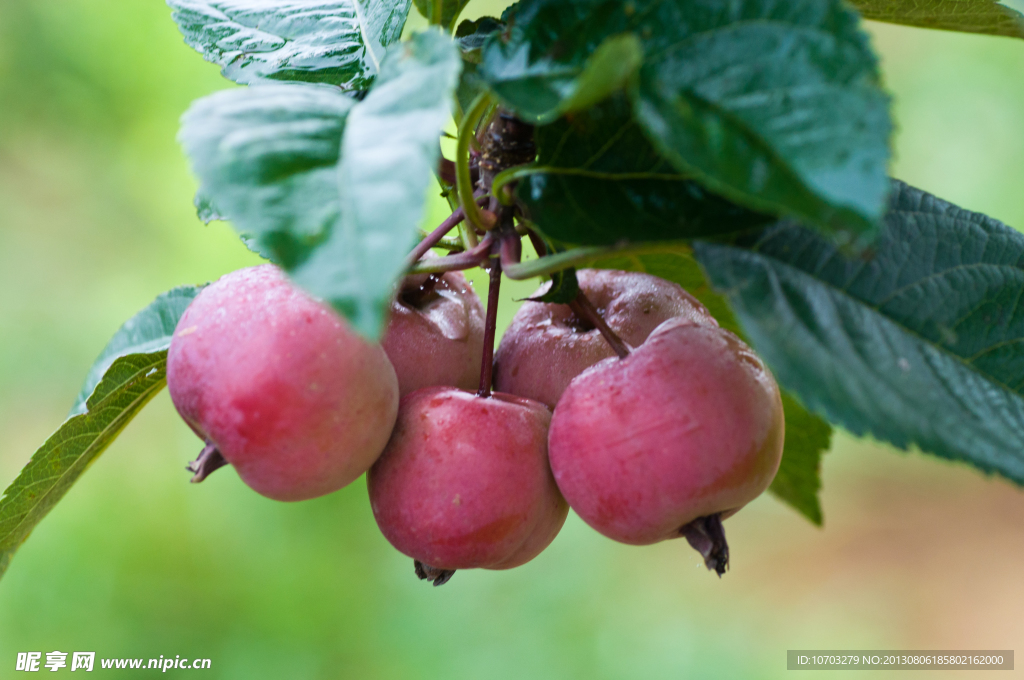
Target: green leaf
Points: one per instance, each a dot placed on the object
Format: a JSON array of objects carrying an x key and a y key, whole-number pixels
[
  {"x": 450, "y": 11},
  {"x": 798, "y": 480},
  {"x": 389, "y": 152},
  {"x": 339, "y": 42},
  {"x": 597, "y": 181},
  {"x": 969, "y": 16},
  {"x": 807, "y": 436},
  {"x": 267, "y": 158},
  {"x": 148, "y": 331},
  {"x": 471, "y": 36},
  {"x": 133, "y": 370},
  {"x": 564, "y": 288},
  {"x": 541, "y": 88},
  {"x": 922, "y": 343},
  {"x": 773, "y": 105}
]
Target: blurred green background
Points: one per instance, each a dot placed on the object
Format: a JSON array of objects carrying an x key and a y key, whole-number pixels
[{"x": 96, "y": 219}]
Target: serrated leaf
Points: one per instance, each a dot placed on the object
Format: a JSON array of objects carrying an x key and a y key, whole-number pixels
[
  {"x": 133, "y": 370},
  {"x": 148, "y": 331},
  {"x": 267, "y": 157},
  {"x": 338, "y": 42},
  {"x": 773, "y": 105},
  {"x": 597, "y": 181},
  {"x": 450, "y": 11},
  {"x": 205, "y": 209},
  {"x": 388, "y": 154},
  {"x": 798, "y": 480},
  {"x": 541, "y": 88},
  {"x": 969, "y": 16},
  {"x": 922, "y": 343}
]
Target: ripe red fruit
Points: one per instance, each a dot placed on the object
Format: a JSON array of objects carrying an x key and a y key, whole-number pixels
[
  {"x": 546, "y": 345},
  {"x": 435, "y": 332},
  {"x": 465, "y": 483},
  {"x": 280, "y": 385},
  {"x": 688, "y": 426}
]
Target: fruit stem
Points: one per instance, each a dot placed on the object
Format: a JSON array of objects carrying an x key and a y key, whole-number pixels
[
  {"x": 475, "y": 257},
  {"x": 435, "y": 236},
  {"x": 706, "y": 535},
  {"x": 538, "y": 243},
  {"x": 511, "y": 248},
  {"x": 583, "y": 308},
  {"x": 487, "y": 363},
  {"x": 209, "y": 460},
  {"x": 429, "y": 573}
]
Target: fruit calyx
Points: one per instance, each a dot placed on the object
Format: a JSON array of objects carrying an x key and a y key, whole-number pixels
[
  {"x": 706, "y": 535},
  {"x": 429, "y": 573},
  {"x": 209, "y": 459}
]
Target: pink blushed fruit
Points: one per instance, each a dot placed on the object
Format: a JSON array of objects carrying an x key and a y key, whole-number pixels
[
  {"x": 688, "y": 426},
  {"x": 546, "y": 345},
  {"x": 280, "y": 385},
  {"x": 435, "y": 332},
  {"x": 464, "y": 482}
]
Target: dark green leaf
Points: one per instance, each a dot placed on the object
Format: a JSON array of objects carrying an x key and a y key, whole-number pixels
[
  {"x": 267, "y": 158},
  {"x": 798, "y": 480},
  {"x": 920, "y": 343},
  {"x": 564, "y": 287},
  {"x": 450, "y": 11},
  {"x": 542, "y": 82},
  {"x": 807, "y": 436},
  {"x": 339, "y": 42},
  {"x": 970, "y": 16},
  {"x": 389, "y": 152},
  {"x": 597, "y": 181},
  {"x": 148, "y": 331},
  {"x": 133, "y": 369},
  {"x": 471, "y": 35},
  {"x": 773, "y": 105}
]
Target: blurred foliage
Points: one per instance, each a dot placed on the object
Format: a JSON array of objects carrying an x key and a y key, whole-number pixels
[{"x": 96, "y": 219}]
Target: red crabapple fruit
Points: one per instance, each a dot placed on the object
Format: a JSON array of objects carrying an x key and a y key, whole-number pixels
[
  {"x": 465, "y": 482},
  {"x": 547, "y": 345},
  {"x": 435, "y": 332},
  {"x": 671, "y": 439},
  {"x": 279, "y": 386}
]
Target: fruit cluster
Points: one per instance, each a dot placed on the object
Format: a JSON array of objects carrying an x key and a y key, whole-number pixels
[{"x": 631, "y": 406}]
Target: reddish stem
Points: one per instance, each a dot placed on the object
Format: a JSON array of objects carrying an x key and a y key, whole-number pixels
[
  {"x": 487, "y": 365},
  {"x": 435, "y": 236},
  {"x": 475, "y": 257},
  {"x": 511, "y": 248},
  {"x": 446, "y": 171},
  {"x": 583, "y": 308},
  {"x": 538, "y": 243}
]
